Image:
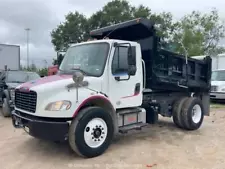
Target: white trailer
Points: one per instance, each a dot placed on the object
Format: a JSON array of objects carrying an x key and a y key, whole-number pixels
[
  {"x": 10, "y": 56},
  {"x": 218, "y": 77},
  {"x": 217, "y": 61}
]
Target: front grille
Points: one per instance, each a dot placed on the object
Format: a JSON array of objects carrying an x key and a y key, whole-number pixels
[
  {"x": 214, "y": 88},
  {"x": 26, "y": 100}
]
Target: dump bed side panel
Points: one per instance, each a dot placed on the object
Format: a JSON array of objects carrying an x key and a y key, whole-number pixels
[{"x": 169, "y": 71}]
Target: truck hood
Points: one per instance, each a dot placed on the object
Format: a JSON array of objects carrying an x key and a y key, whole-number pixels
[
  {"x": 13, "y": 85},
  {"x": 58, "y": 83}
]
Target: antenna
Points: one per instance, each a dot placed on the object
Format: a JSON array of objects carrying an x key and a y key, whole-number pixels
[{"x": 110, "y": 32}]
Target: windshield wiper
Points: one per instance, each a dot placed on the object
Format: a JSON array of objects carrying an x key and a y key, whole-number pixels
[
  {"x": 78, "y": 69},
  {"x": 16, "y": 82}
]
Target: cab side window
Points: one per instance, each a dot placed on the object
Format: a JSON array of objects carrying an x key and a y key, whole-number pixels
[{"x": 120, "y": 62}]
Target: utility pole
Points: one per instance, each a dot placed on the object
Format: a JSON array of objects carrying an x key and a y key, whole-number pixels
[
  {"x": 27, "y": 30},
  {"x": 46, "y": 63}
]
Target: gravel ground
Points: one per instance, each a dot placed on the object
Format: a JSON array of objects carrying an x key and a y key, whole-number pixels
[{"x": 157, "y": 146}]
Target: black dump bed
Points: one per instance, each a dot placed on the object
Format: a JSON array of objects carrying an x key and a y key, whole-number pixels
[{"x": 165, "y": 70}]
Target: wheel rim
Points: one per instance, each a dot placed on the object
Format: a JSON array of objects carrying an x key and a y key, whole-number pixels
[
  {"x": 95, "y": 132},
  {"x": 196, "y": 113}
]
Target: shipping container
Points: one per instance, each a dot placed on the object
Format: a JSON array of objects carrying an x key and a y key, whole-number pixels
[{"x": 10, "y": 56}]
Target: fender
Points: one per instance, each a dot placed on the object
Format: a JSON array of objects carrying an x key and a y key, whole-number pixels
[
  {"x": 95, "y": 99},
  {"x": 100, "y": 101}
]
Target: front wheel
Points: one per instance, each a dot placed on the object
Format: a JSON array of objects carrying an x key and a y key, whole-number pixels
[{"x": 91, "y": 132}]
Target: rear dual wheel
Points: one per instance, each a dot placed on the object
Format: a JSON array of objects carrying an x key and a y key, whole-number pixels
[{"x": 188, "y": 113}]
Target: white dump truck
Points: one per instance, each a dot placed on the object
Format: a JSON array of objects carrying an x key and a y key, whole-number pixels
[{"x": 120, "y": 81}]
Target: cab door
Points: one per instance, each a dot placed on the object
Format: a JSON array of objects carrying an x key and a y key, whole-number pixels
[{"x": 125, "y": 87}]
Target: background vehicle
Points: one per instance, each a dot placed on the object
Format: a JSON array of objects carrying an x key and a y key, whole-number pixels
[
  {"x": 218, "y": 85},
  {"x": 217, "y": 61},
  {"x": 218, "y": 77},
  {"x": 52, "y": 70},
  {"x": 10, "y": 56},
  {"x": 12, "y": 80},
  {"x": 107, "y": 86}
]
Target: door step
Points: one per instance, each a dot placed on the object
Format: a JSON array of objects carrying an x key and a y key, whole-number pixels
[
  {"x": 136, "y": 126},
  {"x": 129, "y": 111}
]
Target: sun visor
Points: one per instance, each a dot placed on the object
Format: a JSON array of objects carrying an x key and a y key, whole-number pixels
[{"x": 133, "y": 30}]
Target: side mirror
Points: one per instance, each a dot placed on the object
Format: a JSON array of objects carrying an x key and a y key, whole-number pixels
[{"x": 131, "y": 60}]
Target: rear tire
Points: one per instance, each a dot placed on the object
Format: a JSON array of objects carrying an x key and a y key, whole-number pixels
[
  {"x": 177, "y": 112},
  {"x": 192, "y": 114},
  {"x": 91, "y": 132},
  {"x": 5, "y": 108}
]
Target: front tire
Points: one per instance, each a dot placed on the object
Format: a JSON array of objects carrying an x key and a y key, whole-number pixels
[
  {"x": 5, "y": 108},
  {"x": 91, "y": 132}
]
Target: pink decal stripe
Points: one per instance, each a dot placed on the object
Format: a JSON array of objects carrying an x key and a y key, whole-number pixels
[
  {"x": 44, "y": 80},
  {"x": 135, "y": 94}
]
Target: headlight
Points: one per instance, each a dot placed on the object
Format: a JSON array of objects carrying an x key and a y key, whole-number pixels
[
  {"x": 12, "y": 93},
  {"x": 58, "y": 105}
]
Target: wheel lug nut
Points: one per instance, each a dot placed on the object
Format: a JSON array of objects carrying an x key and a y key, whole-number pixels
[
  {"x": 98, "y": 139},
  {"x": 101, "y": 136},
  {"x": 93, "y": 138},
  {"x": 87, "y": 129}
]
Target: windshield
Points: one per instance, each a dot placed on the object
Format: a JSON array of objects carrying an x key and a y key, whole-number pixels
[
  {"x": 89, "y": 58},
  {"x": 218, "y": 75},
  {"x": 33, "y": 76},
  {"x": 20, "y": 77}
]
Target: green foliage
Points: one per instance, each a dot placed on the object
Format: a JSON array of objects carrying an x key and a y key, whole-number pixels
[
  {"x": 73, "y": 30},
  {"x": 33, "y": 68},
  {"x": 199, "y": 33},
  {"x": 194, "y": 34},
  {"x": 76, "y": 27},
  {"x": 43, "y": 72}
]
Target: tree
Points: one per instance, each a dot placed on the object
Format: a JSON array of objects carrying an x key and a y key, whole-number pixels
[
  {"x": 195, "y": 33},
  {"x": 120, "y": 10},
  {"x": 199, "y": 34},
  {"x": 76, "y": 27},
  {"x": 73, "y": 30}
]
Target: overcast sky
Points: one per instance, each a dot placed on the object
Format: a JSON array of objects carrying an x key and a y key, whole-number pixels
[{"x": 44, "y": 15}]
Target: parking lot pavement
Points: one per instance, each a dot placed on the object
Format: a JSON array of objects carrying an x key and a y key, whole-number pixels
[{"x": 158, "y": 146}]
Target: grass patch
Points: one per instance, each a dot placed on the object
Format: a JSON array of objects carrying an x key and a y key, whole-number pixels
[{"x": 217, "y": 105}]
